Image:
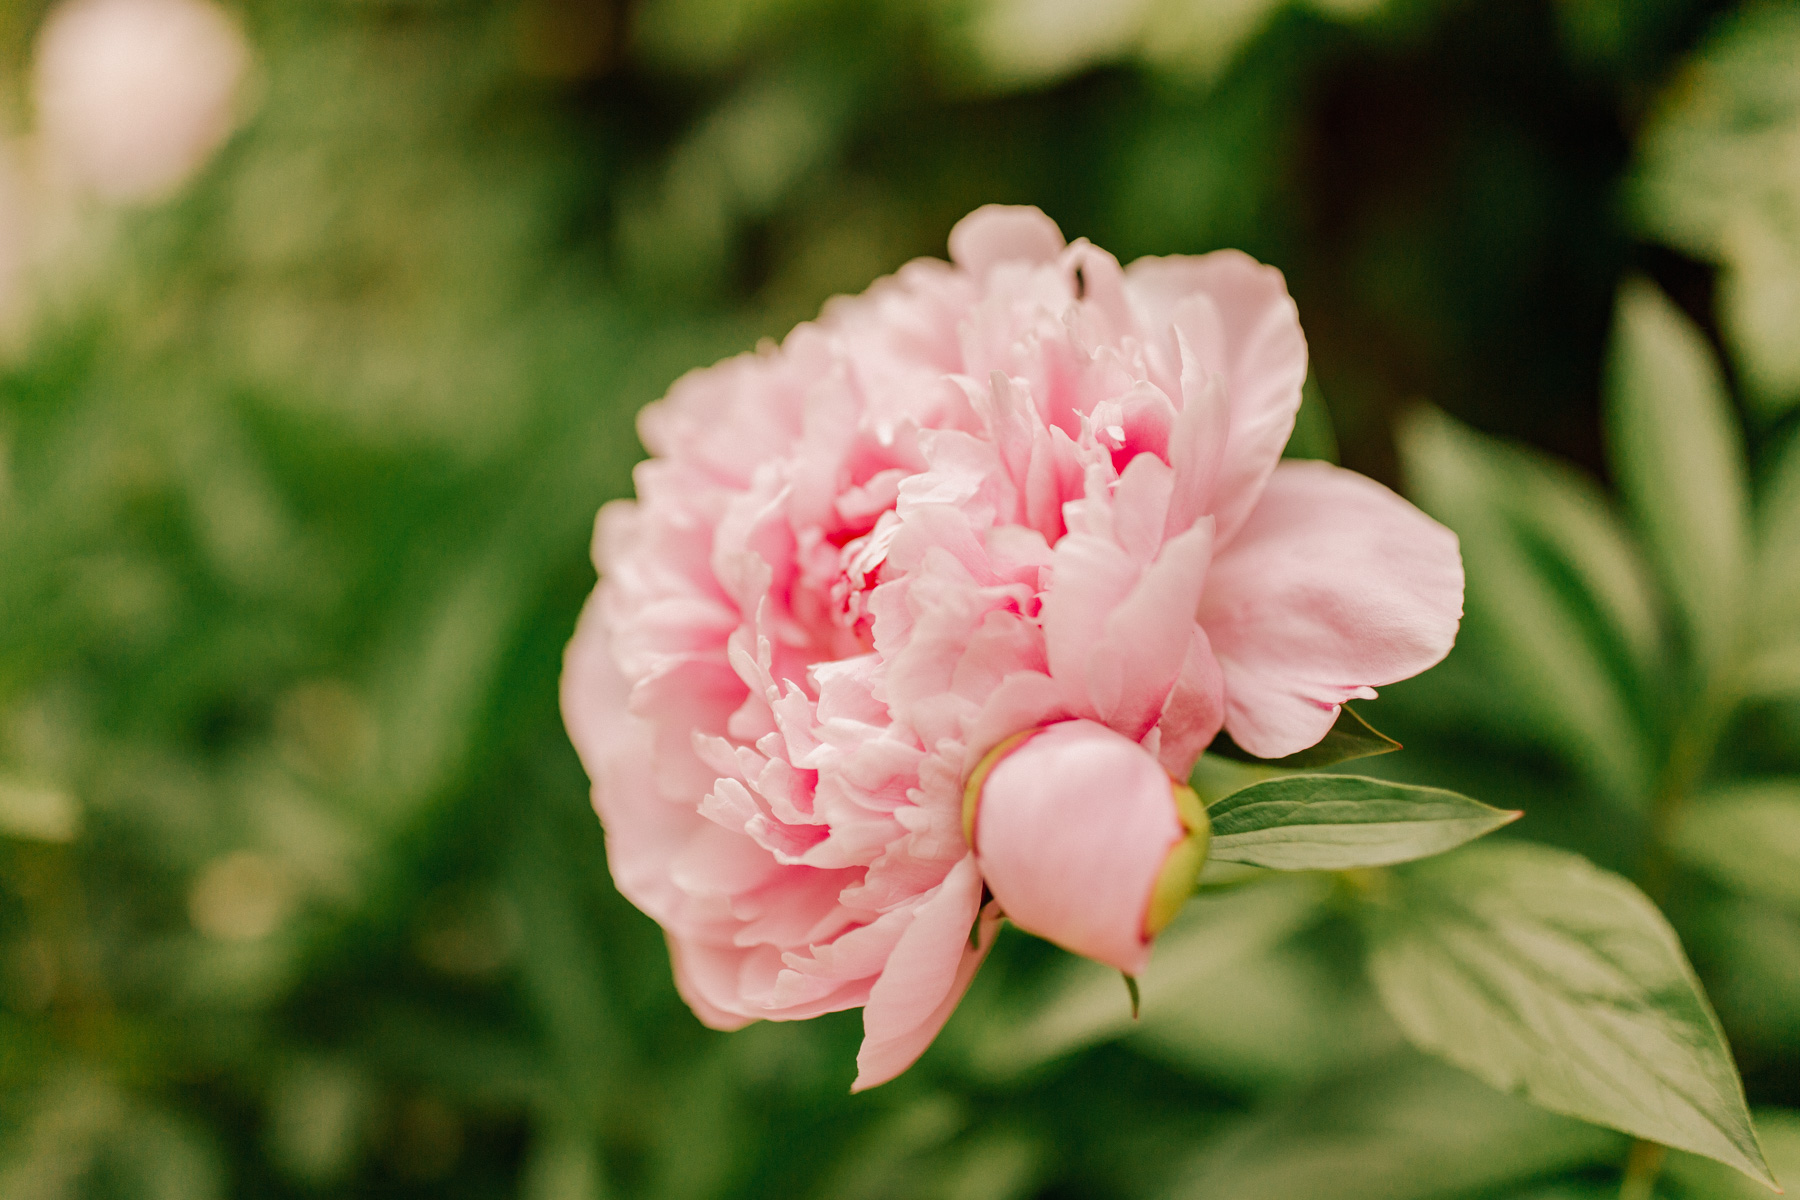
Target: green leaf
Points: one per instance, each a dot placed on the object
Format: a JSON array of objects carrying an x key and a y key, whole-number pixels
[
  {"x": 1748, "y": 838},
  {"x": 1195, "y": 1008},
  {"x": 1544, "y": 975},
  {"x": 1404, "y": 1128},
  {"x": 564, "y": 1164},
  {"x": 1559, "y": 611},
  {"x": 1336, "y": 822},
  {"x": 1715, "y": 178},
  {"x": 1350, "y": 737},
  {"x": 1772, "y": 671},
  {"x": 1776, "y": 669},
  {"x": 1678, "y": 455},
  {"x": 39, "y": 814}
]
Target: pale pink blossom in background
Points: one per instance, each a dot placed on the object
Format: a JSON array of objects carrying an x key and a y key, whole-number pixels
[
  {"x": 133, "y": 96},
  {"x": 985, "y": 496}
]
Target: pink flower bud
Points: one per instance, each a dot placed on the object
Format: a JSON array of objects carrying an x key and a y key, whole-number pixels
[{"x": 1084, "y": 840}]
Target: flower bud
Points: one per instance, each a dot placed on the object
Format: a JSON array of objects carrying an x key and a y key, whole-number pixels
[{"x": 1084, "y": 840}]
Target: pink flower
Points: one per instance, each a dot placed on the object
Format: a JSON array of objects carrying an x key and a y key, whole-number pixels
[
  {"x": 977, "y": 499},
  {"x": 1083, "y": 840},
  {"x": 133, "y": 96}
]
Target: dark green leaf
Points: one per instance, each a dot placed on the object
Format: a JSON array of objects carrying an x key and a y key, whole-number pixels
[
  {"x": 1350, "y": 738},
  {"x": 1546, "y": 976},
  {"x": 1775, "y": 666},
  {"x": 1335, "y": 822}
]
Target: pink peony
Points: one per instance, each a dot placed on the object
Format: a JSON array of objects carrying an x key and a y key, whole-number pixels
[{"x": 1024, "y": 487}]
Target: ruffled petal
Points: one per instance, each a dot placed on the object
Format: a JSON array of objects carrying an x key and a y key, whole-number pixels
[{"x": 1236, "y": 317}]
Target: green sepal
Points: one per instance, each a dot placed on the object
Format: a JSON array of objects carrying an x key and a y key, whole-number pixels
[{"x": 1350, "y": 738}]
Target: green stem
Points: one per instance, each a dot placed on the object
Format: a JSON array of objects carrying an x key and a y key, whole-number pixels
[
  {"x": 1691, "y": 749},
  {"x": 1641, "y": 1170}
]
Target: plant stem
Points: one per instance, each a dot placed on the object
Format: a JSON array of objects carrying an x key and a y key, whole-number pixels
[
  {"x": 1691, "y": 749},
  {"x": 1641, "y": 1169}
]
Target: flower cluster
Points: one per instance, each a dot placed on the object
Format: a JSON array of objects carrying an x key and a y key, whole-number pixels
[{"x": 1024, "y": 490}]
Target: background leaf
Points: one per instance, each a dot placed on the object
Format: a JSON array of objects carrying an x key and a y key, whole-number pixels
[
  {"x": 1570, "y": 655},
  {"x": 1679, "y": 458},
  {"x": 1716, "y": 177},
  {"x": 1544, "y": 975},
  {"x": 1215, "y": 1002},
  {"x": 1336, "y": 822},
  {"x": 1748, "y": 837},
  {"x": 1399, "y": 1131},
  {"x": 1775, "y": 666}
]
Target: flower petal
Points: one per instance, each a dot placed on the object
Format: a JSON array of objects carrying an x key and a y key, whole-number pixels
[
  {"x": 926, "y": 975},
  {"x": 997, "y": 233},
  {"x": 1334, "y": 584},
  {"x": 1237, "y": 317}
]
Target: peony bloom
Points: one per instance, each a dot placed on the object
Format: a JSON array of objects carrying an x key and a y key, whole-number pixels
[
  {"x": 985, "y": 496},
  {"x": 133, "y": 96}
]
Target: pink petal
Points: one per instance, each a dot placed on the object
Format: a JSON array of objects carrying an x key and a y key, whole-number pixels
[
  {"x": 925, "y": 976},
  {"x": 1195, "y": 710},
  {"x": 1333, "y": 585},
  {"x": 1116, "y": 643},
  {"x": 1247, "y": 329},
  {"x": 997, "y": 233}
]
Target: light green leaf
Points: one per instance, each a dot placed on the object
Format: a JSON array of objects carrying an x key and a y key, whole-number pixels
[
  {"x": 1349, "y": 738},
  {"x": 1716, "y": 177},
  {"x": 1402, "y": 1129},
  {"x": 1748, "y": 838},
  {"x": 1336, "y": 822},
  {"x": 39, "y": 814},
  {"x": 1021, "y": 43},
  {"x": 1544, "y": 975},
  {"x": 1772, "y": 671},
  {"x": 1678, "y": 456},
  {"x": 564, "y": 1164},
  {"x": 1542, "y": 642}
]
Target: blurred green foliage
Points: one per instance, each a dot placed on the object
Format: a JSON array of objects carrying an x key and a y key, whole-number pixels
[{"x": 300, "y": 894}]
